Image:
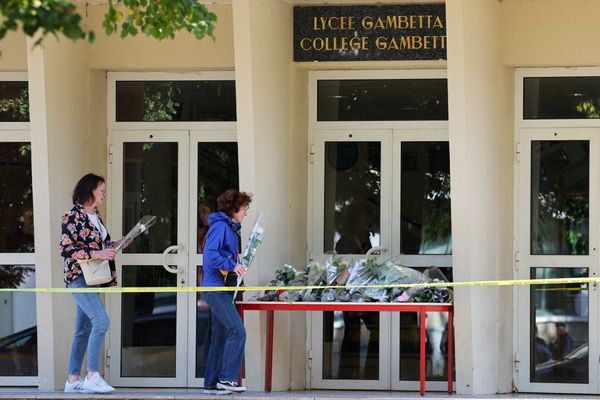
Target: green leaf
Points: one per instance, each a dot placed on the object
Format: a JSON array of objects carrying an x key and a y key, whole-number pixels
[{"x": 160, "y": 19}]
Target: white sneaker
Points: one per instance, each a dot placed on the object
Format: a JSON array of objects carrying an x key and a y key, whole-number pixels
[
  {"x": 230, "y": 385},
  {"x": 96, "y": 384},
  {"x": 216, "y": 391},
  {"x": 75, "y": 387}
]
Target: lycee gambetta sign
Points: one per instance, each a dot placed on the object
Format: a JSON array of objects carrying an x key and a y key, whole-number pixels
[{"x": 369, "y": 33}]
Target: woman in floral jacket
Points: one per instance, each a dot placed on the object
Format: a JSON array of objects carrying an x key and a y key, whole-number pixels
[{"x": 85, "y": 237}]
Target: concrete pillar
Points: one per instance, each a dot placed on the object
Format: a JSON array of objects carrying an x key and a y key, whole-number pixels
[
  {"x": 477, "y": 156},
  {"x": 264, "y": 76},
  {"x": 58, "y": 97}
]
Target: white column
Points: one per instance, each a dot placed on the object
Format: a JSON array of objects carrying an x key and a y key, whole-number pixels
[
  {"x": 264, "y": 76},
  {"x": 58, "y": 98},
  {"x": 478, "y": 161}
]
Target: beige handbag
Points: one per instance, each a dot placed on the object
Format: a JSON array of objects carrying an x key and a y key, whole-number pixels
[{"x": 95, "y": 271}]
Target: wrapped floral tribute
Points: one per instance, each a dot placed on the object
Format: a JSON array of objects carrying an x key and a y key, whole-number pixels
[
  {"x": 345, "y": 275},
  {"x": 254, "y": 241},
  {"x": 142, "y": 226}
]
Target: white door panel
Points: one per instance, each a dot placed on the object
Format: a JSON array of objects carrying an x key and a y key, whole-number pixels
[
  {"x": 335, "y": 358},
  {"x": 151, "y": 343},
  {"x": 557, "y": 237}
]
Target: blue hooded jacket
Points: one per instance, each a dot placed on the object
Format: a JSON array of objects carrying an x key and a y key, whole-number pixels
[{"x": 220, "y": 248}]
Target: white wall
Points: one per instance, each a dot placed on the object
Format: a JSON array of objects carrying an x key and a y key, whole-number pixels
[
  {"x": 13, "y": 52},
  {"x": 544, "y": 33},
  {"x": 264, "y": 80},
  {"x": 185, "y": 52},
  {"x": 478, "y": 154}
]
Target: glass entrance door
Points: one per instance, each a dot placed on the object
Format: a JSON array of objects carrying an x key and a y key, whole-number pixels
[
  {"x": 421, "y": 239},
  {"x": 160, "y": 339},
  {"x": 351, "y": 199},
  {"x": 149, "y": 176},
  {"x": 558, "y": 238},
  {"x": 387, "y": 189}
]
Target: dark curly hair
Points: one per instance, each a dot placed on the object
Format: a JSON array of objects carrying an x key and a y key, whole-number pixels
[
  {"x": 232, "y": 200},
  {"x": 83, "y": 192}
]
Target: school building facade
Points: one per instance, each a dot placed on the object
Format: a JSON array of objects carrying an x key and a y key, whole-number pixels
[{"x": 469, "y": 130}]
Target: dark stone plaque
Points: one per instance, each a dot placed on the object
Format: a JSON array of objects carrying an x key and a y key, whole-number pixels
[{"x": 369, "y": 33}]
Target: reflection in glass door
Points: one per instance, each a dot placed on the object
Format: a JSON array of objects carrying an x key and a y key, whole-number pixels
[
  {"x": 149, "y": 177},
  {"x": 558, "y": 238},
  {"x": 352, "y": 172},
  {"x": 422, "y": 239},
  {"x": 392, "y": 190},
  {"x": 165, "y": 336},
  {"x": 213, "y": 169}
]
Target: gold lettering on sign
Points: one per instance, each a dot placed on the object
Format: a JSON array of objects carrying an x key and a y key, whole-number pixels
[
  {"x": 410, "y": 42},
  {"x": 342, "y": 23},
  {"x": 335, "y": 43},
  {"x": 401, "y": 22},
  {"x": 385, "y": 32},
  {"x": 305, "y": 44}
]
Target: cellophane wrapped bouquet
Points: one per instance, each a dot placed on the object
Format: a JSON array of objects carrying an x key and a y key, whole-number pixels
[
  {"x": 254, "y": 240},
  {"x": 346, "y": 275}
]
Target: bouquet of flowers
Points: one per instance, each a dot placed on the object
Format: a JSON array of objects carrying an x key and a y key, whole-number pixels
[
  {"x": 286, "y": 275},
  {"x": 337, "y": 271},
  {"x": 141, "y": 227},
  {"x": 366, "y": 272},
  {"x": 254, "y": 241},
  {"x": 317, "y": 275}
]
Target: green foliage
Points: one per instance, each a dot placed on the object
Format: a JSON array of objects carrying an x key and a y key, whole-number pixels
[
  {"x": 17, "y": 107},
  {"x": 589, "y": 108},
  {"x": 160, "y": 19},
  {"x": 160, "y": 105},
  {"x": 49, "y": 16}
]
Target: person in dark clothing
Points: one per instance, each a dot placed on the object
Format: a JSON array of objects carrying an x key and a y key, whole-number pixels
[
  {"x": 562, "y": 343},
  {"x": 355, "y": 239}
]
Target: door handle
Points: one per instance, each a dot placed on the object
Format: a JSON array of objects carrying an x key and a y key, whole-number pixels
[{"x": 170, "y": 269}]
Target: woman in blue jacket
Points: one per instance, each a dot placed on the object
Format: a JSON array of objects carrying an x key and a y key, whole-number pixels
[{"x": 228, "y": 335}]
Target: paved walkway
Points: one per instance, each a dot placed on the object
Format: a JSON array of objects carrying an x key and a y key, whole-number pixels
[{"x": 194, "y": 394}]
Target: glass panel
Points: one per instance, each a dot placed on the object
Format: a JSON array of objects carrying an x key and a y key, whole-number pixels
[
  {"x": 350, "y": 345},
  {"x": 425, "y": 198},
  {"x": 16, "y": 201},
  {"x": 202, "y": 327},
  {"x": 574, "y": 97},
  {"x": 217, "y": 171},
  {"x": 352, "y": 197},
  {"x": 560, "y": 176},
  {"x": 150, "y": 188},
  {"x": 18, "y": 325},
  {"x": 148, "y": 324},
  {"x": 436, "y": 346},
  {"x": 436, "y": 339},
  {"x": 160, "y": 101},
  {"x": 382, "y": 100},
  {"x": 559, "y": 349},
  {"x": 14, "y": 101}
]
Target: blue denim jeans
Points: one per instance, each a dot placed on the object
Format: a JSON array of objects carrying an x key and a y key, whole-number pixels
[
  {"x": 91, "y": 324},
  {"x": 227, "y": 340}
]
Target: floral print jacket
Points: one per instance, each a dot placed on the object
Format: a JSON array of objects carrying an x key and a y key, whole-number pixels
[{"x": 79, "y": 238}]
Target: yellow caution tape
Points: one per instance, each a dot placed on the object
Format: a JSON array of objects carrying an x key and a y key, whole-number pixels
[{"x": 114, "y": 289}]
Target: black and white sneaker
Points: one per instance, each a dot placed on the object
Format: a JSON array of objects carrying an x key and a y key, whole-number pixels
[
  {"x": 230, "y": 385},
  {"x": 214, "y": 390}
]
